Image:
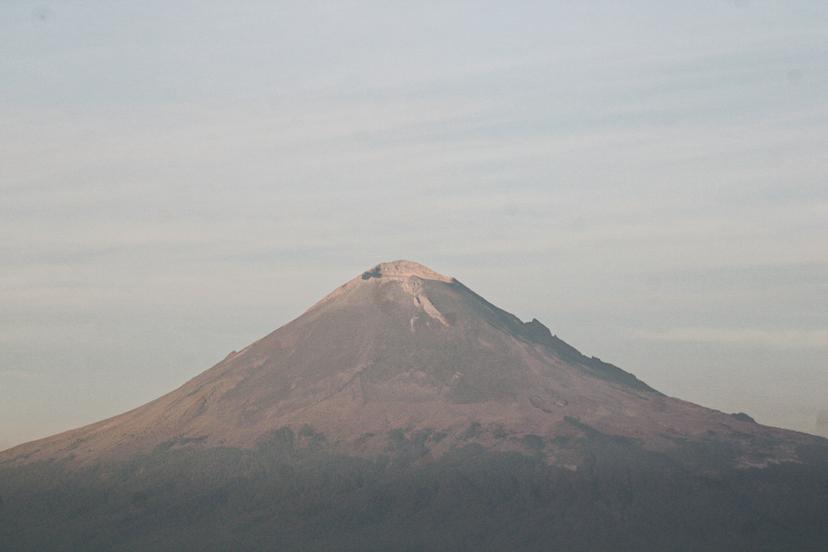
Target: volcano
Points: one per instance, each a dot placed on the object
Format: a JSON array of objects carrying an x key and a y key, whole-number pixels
[{"x": 403, "y": 411}]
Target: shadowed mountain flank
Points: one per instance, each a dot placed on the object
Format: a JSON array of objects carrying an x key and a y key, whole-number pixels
[{"x": 404, "y": 383}]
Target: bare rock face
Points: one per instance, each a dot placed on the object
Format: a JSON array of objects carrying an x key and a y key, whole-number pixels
[{"x": 403, "y": 352}]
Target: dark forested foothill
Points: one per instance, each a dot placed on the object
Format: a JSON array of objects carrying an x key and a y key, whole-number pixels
[{"x": 283, "y": 497}]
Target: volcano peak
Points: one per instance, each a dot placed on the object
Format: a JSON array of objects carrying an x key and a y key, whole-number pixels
[{"x": 401, "y": 269}]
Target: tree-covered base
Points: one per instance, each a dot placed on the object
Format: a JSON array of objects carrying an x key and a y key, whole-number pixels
[{"x": 280, "y": 497}]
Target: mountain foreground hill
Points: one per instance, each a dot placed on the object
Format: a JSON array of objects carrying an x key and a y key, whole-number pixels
[{"x": 405, "y": 412}]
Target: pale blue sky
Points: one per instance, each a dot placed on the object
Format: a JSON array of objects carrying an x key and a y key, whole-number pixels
[{"x": 180, "y": 178}]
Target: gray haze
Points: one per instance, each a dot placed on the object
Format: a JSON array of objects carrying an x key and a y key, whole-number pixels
[{"x": 178, "y": 179}]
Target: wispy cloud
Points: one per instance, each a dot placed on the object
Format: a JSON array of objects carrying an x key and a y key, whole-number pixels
[
  {"x": 26, "y": 375},
  {"x": 758, "y": 338}
]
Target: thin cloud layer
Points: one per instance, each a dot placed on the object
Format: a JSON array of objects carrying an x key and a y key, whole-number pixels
[{"x": 781, "y": 339}]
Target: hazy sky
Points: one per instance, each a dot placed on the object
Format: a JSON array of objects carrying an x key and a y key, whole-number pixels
[{"x": 178, "y": 179}]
